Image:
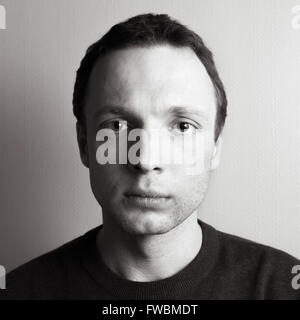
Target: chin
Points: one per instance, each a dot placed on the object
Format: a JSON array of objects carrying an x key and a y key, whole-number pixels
[{"x": 148, "y": 223}]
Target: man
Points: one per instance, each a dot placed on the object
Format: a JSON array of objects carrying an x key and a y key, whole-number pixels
[{"x": 153, "y": 74}]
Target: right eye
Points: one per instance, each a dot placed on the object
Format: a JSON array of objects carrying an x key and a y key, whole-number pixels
[{"x": 116, "y": 125}]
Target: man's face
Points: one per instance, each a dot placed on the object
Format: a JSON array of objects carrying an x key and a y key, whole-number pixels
[{"x": 158, "y": 88}]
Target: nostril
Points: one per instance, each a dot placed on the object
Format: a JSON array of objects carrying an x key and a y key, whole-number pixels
[{"x": 145, "y": 167}]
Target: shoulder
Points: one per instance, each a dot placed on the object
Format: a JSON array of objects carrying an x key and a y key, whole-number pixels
[
  {"x": 249, "y": 251},
  {"x": 46, "y": 273},
  {"x": 271, "y": 269}
]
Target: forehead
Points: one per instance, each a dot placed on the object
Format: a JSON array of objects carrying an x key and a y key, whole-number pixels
[{"x": 157, "y": 76}]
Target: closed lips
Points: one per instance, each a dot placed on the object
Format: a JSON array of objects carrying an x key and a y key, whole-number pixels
[
  {"x": 144, "y": 194},
  {"x": 148, "y": 200}
]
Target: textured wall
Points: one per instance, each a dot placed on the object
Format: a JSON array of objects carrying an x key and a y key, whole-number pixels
[{"x": 45, "y": 194}]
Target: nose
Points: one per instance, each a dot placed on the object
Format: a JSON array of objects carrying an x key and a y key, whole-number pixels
[
  {"x": 147, "y": 156},
  {"x": 144, "y": 168}
]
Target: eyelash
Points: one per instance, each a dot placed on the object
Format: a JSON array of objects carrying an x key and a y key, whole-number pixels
[
  {"x": 111, "y": 122},
  {"x": 195, "y": 127}
]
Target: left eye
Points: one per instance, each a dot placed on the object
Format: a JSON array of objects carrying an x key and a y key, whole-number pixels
[{"x": 185, "y": 127}]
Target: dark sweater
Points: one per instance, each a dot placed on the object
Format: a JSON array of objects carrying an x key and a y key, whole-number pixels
[{"x": 226, "y": 267}]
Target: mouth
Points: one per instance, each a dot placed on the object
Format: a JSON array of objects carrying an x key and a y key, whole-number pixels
[
  {"x": 146, "y": 194},
  {"x": 148, "y": 199}
]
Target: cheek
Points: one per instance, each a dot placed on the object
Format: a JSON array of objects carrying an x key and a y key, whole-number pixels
[
  {"x": 194, "y": 151},
  {"x": 191, "y": 184},
  {"x": 191, "y": 191},
  {"x": 105, "y": 177},
  {"x": 106, "y": 184},
  {"x": 106, "y": 181},
  {"x": 101, "y": 175}
]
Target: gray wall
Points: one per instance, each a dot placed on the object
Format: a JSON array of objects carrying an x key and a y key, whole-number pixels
[{"x": 45, "y": 194}]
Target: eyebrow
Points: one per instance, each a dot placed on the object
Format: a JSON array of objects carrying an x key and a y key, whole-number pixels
[
  {"x": 118, "y": 110},
  {"x": 174, "y": 110},
  {"x": 183, "y": 110}
]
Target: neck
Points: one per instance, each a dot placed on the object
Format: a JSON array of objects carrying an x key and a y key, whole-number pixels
[{"x": 151, "y": 257}]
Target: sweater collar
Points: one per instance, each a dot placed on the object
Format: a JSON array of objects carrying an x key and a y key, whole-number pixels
[{"x": 179, "y": 286}]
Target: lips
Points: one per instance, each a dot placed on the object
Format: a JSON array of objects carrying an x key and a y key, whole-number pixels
[
  {"x": 146, "y": 194},
  {"x": 148, "y": 199}
]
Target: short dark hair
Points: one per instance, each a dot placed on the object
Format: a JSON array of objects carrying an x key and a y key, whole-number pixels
[{"x": 147, "y": 30}]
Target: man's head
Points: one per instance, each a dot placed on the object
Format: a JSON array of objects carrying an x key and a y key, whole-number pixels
[
  {"x": 145, "y": 31},
  {"x": 149, "y": 72}
]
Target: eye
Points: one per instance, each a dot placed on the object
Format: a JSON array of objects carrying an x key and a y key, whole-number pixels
[
  {"x": 185, "y": 127},
  {"x": 116, "y": 125}
]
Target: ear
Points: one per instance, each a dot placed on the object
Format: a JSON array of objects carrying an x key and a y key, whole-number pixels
[
  {"x": 215, "y": 160},
  {"x": 82, "y": 144}
]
